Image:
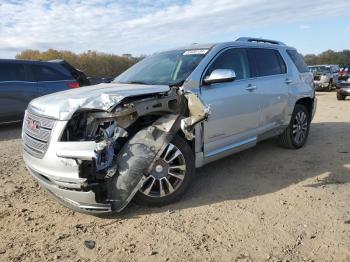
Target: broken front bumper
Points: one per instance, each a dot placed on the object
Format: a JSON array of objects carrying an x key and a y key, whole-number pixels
[
  {"x": 75, "y": 199},
  {"x": 59, "y": 176},
  {"x": 68, "y": 191},
  {"x": 59, "y": 169}
]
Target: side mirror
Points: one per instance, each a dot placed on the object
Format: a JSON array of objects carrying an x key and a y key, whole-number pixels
[{"x": 220, "y": 76}]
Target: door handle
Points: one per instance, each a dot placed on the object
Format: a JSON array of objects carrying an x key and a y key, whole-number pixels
[
  {"x": 288, "y": 81},
  {"x": 250, "y": 88}
]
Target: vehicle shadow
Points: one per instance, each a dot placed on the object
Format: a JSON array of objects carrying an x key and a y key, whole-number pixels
[
  {"x": 268, "y": 168},
  {"x": 10, "y": 131}
]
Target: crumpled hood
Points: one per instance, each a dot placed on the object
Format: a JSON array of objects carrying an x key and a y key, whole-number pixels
[{"x": 62, "y": 105}]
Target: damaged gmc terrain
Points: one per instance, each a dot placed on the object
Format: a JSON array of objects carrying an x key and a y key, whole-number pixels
[{"x": 94, "y": 149}]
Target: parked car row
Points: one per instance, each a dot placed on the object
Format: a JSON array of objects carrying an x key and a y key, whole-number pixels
[{"x": 328, "y": 77}]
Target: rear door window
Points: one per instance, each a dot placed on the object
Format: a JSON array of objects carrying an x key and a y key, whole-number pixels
[
  {"x": 235, "y": 59},
  {"x": 298, "y": 61},
  {"x": 45, "y": 73},
  {"x": 13, "y": 72},
  {"x": 267, "y": 62}
]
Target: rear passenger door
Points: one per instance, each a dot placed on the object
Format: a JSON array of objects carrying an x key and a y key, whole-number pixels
[
  {"x": 17, "y": 89},
  {"x": 51, "y": 80},
  {"x": 270, "y": 71}
]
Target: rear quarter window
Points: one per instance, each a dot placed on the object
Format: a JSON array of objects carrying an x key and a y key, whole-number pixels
[
  {"x": 13, "y": 72},
  {"x": 298, "y": 61},
  {"x": 46, "y": 73},
  {"x": 268, "y": 62}
]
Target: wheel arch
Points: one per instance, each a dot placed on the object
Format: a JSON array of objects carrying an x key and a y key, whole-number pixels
[
  {"x": 191, "y": 143},
  {"x": 308, "y": 102}
]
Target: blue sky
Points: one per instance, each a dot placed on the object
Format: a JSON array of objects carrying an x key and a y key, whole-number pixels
[{"x": 147, "y": 26}]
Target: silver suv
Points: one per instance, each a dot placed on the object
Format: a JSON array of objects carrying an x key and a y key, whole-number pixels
[{"x": 141, "y": 137}]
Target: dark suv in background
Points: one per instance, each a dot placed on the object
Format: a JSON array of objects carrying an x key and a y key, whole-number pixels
[{"x": 22, "y": 80}]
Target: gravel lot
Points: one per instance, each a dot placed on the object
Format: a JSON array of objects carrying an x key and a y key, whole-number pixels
[{"x": 265, "y": 204}]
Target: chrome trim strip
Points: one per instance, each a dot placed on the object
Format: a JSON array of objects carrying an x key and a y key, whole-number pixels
[
  {"x": 29, "y": 82},
  {"x": 35, "y": 144},
  {"x": 46, "y": 123},
  {"x": 11, "y": 122},
  {"x": 229, "y": 147},
  {"x": 52, "y": 81},
  {"x": 41, "y": 134}
]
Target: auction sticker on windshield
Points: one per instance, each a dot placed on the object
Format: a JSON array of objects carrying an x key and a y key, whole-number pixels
[{"x": 196, "y": 52}]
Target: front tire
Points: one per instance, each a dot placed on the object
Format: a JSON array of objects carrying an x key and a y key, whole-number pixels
[
  {"x": 330, "y": 85},
  {"x": 340, "y": 97},
  {"x": 171, "y": 176},
  {"x": 295, "y": 135}
]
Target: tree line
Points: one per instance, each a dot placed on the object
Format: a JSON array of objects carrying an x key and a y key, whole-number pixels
[
  {"x": 340, "y": 58},
  {"x": 92, "y": 63},
  {"x": 98, "y": 64}
]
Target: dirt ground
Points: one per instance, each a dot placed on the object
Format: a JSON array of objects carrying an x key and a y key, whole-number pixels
[{"x": 265, "y": 204}]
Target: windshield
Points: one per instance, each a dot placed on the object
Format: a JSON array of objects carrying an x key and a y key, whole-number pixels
[
  {"x": 167, "y": 68},
  {"x": 320, "y": 69}
]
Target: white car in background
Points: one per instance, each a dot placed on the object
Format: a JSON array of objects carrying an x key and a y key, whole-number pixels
[{"x": 325, "y": 76}]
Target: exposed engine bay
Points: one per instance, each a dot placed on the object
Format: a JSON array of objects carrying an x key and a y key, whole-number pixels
[{"x": 116, "y": 148}]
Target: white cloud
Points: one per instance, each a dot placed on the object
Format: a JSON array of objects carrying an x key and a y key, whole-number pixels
[{"x": 142, "y": 26}]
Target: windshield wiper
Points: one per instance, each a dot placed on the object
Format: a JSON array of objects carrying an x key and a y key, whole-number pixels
[
  {"x": 137, "y": 82},
  {"x": 179, "y": 83}
]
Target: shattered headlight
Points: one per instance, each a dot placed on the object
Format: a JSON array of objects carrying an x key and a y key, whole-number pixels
[{"x": 106, "y": 147}]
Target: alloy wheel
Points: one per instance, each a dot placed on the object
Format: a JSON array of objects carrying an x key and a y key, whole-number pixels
[
  {"x": 300, "y": 127},
  {"x": 167, "y": 175}
]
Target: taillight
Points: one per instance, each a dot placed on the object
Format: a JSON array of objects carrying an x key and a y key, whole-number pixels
[
  {"x": 342, "y": 73},
  {"x": 73, "y": 85}
]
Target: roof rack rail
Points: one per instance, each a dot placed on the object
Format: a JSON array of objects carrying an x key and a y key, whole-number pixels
[{"x": 260, "y": 40}]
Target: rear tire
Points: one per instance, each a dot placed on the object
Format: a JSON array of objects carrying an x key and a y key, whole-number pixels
[
  {"x": 150, "y": 197},
  {"x": 295, "y": 135}
]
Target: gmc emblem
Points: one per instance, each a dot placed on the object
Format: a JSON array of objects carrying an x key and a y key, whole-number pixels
[{"x": 32, "y": 124}]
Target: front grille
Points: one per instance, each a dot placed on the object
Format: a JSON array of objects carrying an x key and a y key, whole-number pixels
[
  {"x": 36, "y": 134},
  {"x": 317, "y": 78}
]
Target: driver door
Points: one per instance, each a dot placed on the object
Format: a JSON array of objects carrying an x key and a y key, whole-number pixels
[{"x": 235, "y": 105}]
